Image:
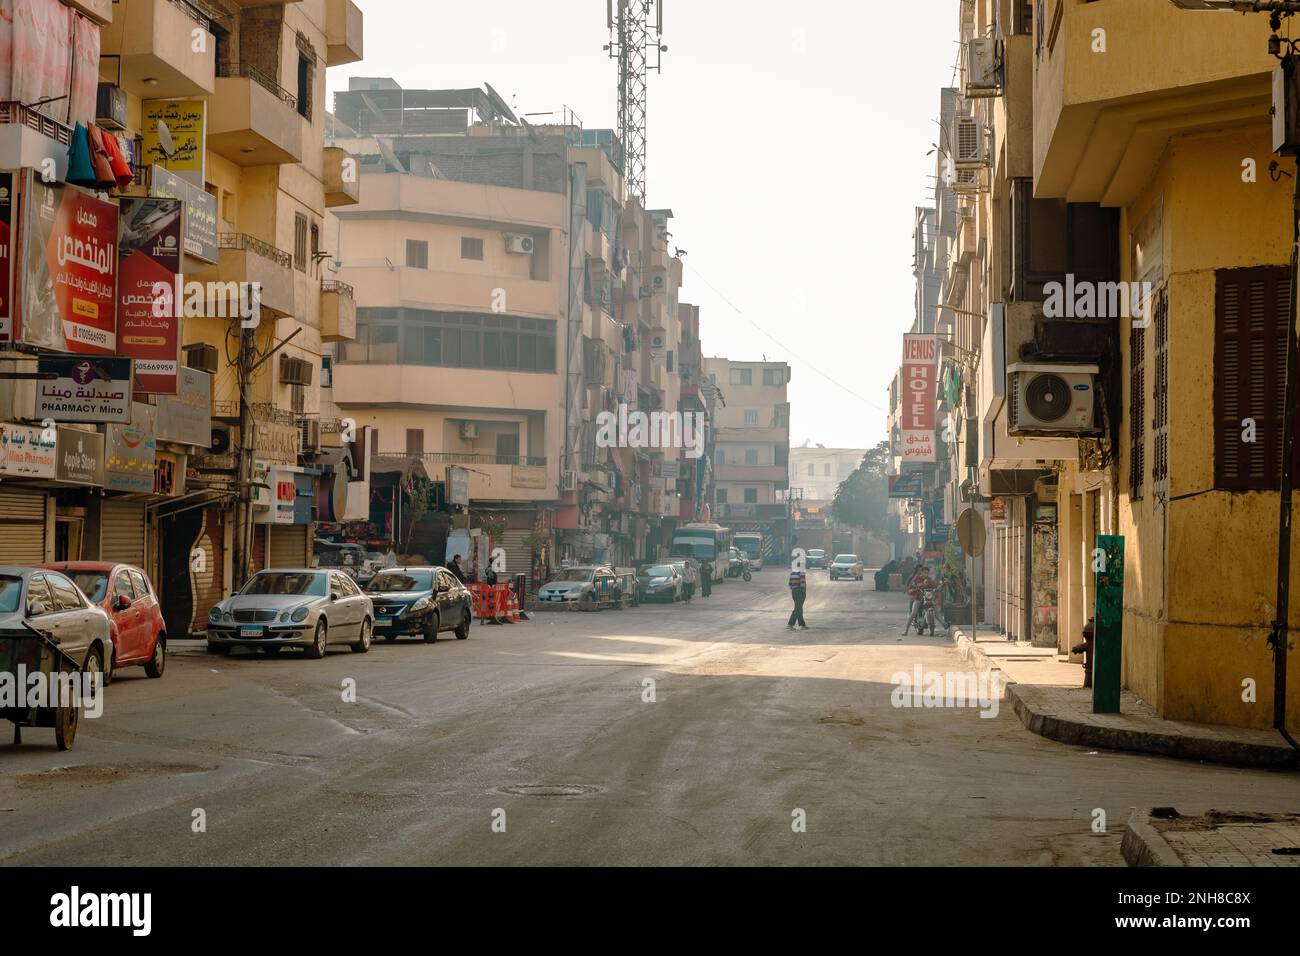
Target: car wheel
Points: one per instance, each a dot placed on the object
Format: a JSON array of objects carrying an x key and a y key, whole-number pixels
[
  {"x": 363, "y": 643},
  {"x": 431, "y": 628},
  {"x": 110, "y": 671},
  {"x": 462, "y": 629},
  {"x": 319, "y": 642},
  {"x": 158, "y": 663}
]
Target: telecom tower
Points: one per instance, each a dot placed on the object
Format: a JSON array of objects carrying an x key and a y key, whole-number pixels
[{"x": 635, "y": 30}]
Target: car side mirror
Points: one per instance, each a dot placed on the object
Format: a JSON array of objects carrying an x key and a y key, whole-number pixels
[
  {"x": 443, "y": 588},
  {"x": 35, "y": 609},
  {"x": 123, "y": 602},
  {"x": 334, "y": 595}
]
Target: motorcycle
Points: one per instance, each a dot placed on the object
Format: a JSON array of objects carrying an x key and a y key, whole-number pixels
[
  {"x": 746, "y": 575},
  {"x": 926, "y": 612}
]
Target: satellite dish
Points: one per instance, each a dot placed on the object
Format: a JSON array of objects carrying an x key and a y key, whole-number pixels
[{"x": 165, "y": 139}]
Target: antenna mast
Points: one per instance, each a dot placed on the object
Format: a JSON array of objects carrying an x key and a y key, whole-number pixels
[{"x": 635, "y": 33}]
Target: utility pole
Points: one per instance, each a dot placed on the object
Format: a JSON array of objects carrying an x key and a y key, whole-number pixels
[{"x": 243, "y": 537}]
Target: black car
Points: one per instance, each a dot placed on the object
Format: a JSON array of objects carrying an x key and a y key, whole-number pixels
[{"x": 420, "y": 601}]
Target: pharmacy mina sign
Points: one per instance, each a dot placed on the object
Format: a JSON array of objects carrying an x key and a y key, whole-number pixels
[{"x": 83, "y": 389}]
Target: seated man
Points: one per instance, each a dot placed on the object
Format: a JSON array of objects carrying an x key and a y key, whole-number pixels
[{"x": 920, "y": 580}]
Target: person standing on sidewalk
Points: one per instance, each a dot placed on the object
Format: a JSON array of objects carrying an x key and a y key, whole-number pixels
[
  {"x": 798, "y": 591},
  {"x": 688, "y": 578},
  {"x": 706, "y": 577}
]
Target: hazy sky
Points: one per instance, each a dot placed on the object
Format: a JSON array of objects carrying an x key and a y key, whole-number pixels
[{"x": 790, "y": 140}]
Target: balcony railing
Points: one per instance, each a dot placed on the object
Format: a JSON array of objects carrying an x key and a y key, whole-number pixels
[
  {"x": 250, "y": 72},
  {"x": 14, "y": 112},
  {"x": 247, "y": 243},
  {"x": 342, "y": 288},
  {"x": 457, "y": 458}
]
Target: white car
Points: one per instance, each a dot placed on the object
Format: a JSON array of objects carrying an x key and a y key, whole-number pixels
[{"x": 846, "y": 566}]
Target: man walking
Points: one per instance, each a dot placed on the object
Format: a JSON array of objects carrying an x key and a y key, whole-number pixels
[
  {"x": 688, "y": 579},
  {"x": 706, "y": 577},
  {"x": 798, "y": 591}
]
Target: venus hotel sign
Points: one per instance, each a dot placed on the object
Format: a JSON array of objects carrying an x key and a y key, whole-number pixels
[{"x": 920, "y": 378}]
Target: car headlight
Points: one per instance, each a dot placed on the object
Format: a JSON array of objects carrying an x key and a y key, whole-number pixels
[
  {"x": 214, "y": 615},
  {"x": 300, "y": 614},
  {"x": 421, "y": 605}
]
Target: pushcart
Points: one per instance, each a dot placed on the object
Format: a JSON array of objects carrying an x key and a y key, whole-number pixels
[{"x": 26, "y": 651}]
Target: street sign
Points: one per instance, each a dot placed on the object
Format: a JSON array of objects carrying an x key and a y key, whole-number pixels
[{"x": 971, "y": 533}]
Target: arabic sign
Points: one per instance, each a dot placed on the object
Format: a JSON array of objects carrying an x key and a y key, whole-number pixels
[
  {"x": 84, "y": 389},
  {"x": 148, "y": 324},
  {"x": 186, "y": 122},
  {"x": 168, "y": 474},
  {"x": 906, "y": 486},
  {"x": 920, "y": 376},
  {"x": 278, "y": 444},
  {"x": 131, "y": 452},
  {"x": 8, "y": 205},
  {"x": 69, "y": 270},
  {"x": 457, "y": 486},
  {"x": 186, "y": 417},
  {"x": 200, "y": 212},
  {"x": 998, "y": 513},
  {"x": 79, "y": 457},
  {"x": 25, "y": 452}
]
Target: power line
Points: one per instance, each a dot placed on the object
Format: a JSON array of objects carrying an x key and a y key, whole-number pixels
[{"x": 742, "y": 314}]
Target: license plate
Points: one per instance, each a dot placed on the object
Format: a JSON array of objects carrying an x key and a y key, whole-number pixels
[
  {"x": 250, "y": 632},
  {"x": 556, "y": 597}
]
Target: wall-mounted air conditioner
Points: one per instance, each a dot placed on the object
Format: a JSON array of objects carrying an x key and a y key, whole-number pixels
[
  {"x": 970, "y": 148},
  {"x": 295, "y": 371},
  {"x": 568, "y": 481},
  {"x": 966, "y": 182},
  {"x": 469, "y": 430},
  {"x": 110, "y": 106},
  {"x": 309, "y": 435},
  {"x": 981, "y": 76},
  {"x": 1051, "y": 399},
  {"x": 520, "y": 245}
]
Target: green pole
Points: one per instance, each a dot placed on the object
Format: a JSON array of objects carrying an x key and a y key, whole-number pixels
[{"x": 1108, "y": 565}]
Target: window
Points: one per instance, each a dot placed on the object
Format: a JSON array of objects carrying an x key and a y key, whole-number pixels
[
  {"x": 668, "y": 361},
  {"x": 306, "y": 72},
  {"x": 66, "y": 594},
  {"x": 742, "y": 376},
  {"x": 1137, "y": 391},
  {"x": 417, "y": 254},
  {"x": 720, "y": 457},
  {"x": 722, "y": 496},
  {"x": 751, "y": 496},
  {"x": 827, "y": 470},
  {"x": 751, "y": 416},
  {"x": 1051, "y": 237},
  {"x": 508, "y": 445},
  {"x": 122, "y": 587},
  {"x": 38, "y": 590},
  {"x": 415, "y": 441},
  {"x": 812, "y": 469},
  {"x": 751, "y": 456},
  {"x": 1160, "y": 397},
  {"x": 141, "y": 583},
  {"x": 300, "y": 242},
  {"x": 451, "y": 339},
  {"x": 471, "y": 248},
  {"x": 1252, "y": 310},
  {"x": 773, "y": 376}
]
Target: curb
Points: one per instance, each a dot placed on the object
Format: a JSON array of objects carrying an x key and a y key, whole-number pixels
[
  {"x": 1144, "y": 846},
  {"x": 1164, "y": 744}
]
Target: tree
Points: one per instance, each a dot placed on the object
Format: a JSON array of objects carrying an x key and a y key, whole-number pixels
[{"x": 862, "y": 499}]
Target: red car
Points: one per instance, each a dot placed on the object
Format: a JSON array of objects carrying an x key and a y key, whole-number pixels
[{"x": 135, "y": 617}]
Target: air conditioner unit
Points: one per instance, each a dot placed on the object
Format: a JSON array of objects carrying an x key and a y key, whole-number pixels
[
  {"x": 568, "y": 481},
  {"x": 659, "y": 282},
  {"x": 201, "y": 357},
  {"x": 224, "y": 439},
  {"x": 520, "y": 245},
  {"x": 981, "y": 77},
  {"x": 110, "y": 106},
  {"x": 309, "y": 433},
  {"x": 1051, "y": 399},
  {"x": 657, "y": 342},
  {"x": 966, "y": 182},
  {"x": 469, "y": 430},
  {"x": 295, "y": 371},
  {"x": 969, "y": 143}
]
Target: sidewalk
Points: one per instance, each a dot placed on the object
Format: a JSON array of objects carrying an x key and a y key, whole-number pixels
[
  {"x": 1164, "y": 837},
  {"x": 1050, "y": 699}
]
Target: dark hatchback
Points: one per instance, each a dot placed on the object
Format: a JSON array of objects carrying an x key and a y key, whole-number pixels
[{"x": 419, "y": 601}]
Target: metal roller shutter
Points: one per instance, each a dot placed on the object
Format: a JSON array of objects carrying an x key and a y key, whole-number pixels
[
  {"x": 288, "y": 545},
  {"x": 519, "y": 559},
  {"x": 122, "y": 532},
  {"x": 22, "y": 528}
]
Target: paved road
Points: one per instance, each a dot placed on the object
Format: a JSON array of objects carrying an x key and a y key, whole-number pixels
[{"x": 750, "y": 724}]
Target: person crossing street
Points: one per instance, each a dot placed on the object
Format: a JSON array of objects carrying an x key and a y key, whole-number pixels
[{"x": 798, "y": 591}]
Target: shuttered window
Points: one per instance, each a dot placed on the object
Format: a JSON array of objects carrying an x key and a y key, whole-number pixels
[
  {"x": 1137, "y": 404},
  {"x": 1251, "y": 309},
  {"x": 1160, "y": 397}
]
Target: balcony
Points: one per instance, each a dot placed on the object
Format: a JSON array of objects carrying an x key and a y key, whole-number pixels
[
  {"x": 1102, "y": 122},
  {"x": 338, "y": 312},
  {"x": 404, "y": 286},
  {"x": 342, "y": 178},
  {"x": 751, "y": 473},
  {"x": 154, "y": 40},
  {"x": 245, "y": 259},
  {"x": 253, "y": 121},
  {"x": 28, "y": 138},
  {"x": 343, "y": 32}
]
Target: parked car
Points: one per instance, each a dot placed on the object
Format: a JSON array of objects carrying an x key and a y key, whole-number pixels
[
  {"x": 49, "y": 602},
  {"x": 815, "y": 558},
  {"x": 592, "y": 587},
  {"x": 310, "y": 608},
  {"x": 659, "y": 582},
  {"x": 846, "y": 566},
  {"x": 134, "y": 614},
  {"x": 423, "y": 601}
]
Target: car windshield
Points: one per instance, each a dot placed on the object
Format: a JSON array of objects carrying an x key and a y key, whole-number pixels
[
  {"x": 286, "y": 582},
  {"x": 658, "y": 571},
  {"x": 574, "y": 574},
  {"x": 401, "y": 581},
  {"x": 816, "y": 553},
  {"x": 94, "y": 584},
  {"x": 846, "y": 559},
  {"x": 11, "y": 589}
]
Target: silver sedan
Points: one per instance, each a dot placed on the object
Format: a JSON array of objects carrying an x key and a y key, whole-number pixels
[{"x": 310, "y": 608}]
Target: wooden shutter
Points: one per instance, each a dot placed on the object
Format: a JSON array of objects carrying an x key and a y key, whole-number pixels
[
  {"x": 1251, "y": 311},
  {"x": 1137, "y": 403}
]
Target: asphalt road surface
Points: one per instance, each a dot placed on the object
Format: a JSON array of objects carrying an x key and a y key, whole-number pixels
[{"x": 701, "y": 734}]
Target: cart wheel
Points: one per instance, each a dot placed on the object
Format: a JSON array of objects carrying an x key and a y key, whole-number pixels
[{"x": 68, "y": 719}]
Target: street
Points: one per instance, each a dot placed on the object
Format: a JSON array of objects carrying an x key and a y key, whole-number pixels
[{"x": 749, "y": 724}]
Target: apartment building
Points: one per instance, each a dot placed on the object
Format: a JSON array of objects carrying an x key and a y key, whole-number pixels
[
  {"x": 489, "y": 339},
  {"x": 213, "y": 116},
  {"x": 751, "y": 456},
  {"x": 816, "y": 471}
]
